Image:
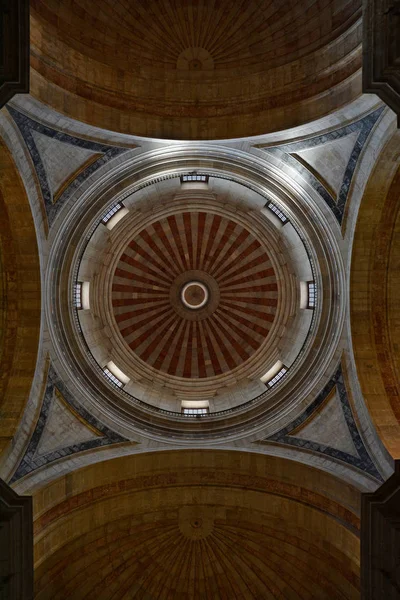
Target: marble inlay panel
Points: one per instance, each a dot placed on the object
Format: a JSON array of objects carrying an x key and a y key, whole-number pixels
[
  {"x": 289, "y": 154},
  {"x": 29, "y": 130},
  {"x": 102, "y": 435},
  {"x": 287, "y": 436}
]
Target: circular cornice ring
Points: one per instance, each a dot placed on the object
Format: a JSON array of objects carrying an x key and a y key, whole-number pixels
[{"x": 203, "y": 309}]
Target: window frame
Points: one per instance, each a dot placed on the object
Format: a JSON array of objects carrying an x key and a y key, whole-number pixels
[
  {"x": 195, "y": 411},
  {"x": 194, "y": 178},
  {"x": 277, "y": 377},
  {"x": 277, "y": 212},
  {"x": 78, "y": 295},
  {"x": 111, "y": 212},
  {"x": 120, "y": 384},
  {"x": 311, "y": 305}
]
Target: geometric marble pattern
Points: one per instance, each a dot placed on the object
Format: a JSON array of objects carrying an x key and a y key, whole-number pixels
[
  {"x": 61, "y": 161},
  {"x": 77, "y": 152},
  {"x": 358, "y": 457},
  {"x": 329, "y": 162},
  {"x": 50, "y": 440},
  {"x": 63, "y": 428},
  {"x": 152, "y": 273},
  {"x": 327, "y": 426}
]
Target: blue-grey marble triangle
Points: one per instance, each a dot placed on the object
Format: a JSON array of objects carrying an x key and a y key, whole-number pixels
[
  {"x": 330, "y": 160},
  {"x": 60, "y": 160},
  {"x": 287, "y": 436},
  {"x": 328, "y": 428},
  {"x": 33, "y": 459},
  {"x": 361, "y": 129},
  {"x": 28, "y": 127},
  {"x": 62, "y": 429}
]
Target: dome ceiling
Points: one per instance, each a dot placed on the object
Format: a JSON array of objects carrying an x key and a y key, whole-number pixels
[
  {"x": 189, "y": 297},
  {"x": 196, "y": 525},
  {"x": 195, "y": 70},
  {"x": 194, "y": 294}
]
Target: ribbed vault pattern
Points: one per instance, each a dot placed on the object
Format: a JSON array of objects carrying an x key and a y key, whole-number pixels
[
  {"x": 195, "y": 69},
  {"x": 237, "y": 559},
  {"x": 242, "y": 294},
  {"x": 197, "y": 525}
]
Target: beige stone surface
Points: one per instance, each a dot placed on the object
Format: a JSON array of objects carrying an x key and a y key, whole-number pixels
[
  {"x": 328, "y": 161},
  {"x": 328, "y": 427},
  {"x": 62, "y": 162}
]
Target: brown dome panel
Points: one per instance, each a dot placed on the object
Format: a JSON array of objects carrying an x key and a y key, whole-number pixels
[
  {"x": 196, "y": 70},
  {"x": 194, "y": 525},
  {"x": 202, "y": 252}
]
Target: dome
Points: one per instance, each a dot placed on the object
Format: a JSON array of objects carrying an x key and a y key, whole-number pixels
[
  {"x": 199, "y": 525},
  {"x": 196, "y": 70},
  {"x": 186, "y": 287},
  {"x": 190, "y": 296}
]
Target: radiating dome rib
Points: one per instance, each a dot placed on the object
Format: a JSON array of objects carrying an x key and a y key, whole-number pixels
[
  {"x": 163, "y": 237},
  {"x": 195, "y": 70},
  {"x": 236, "y": 560},
  {"x": 150, "y": 241},
  {"x": 241, "y": 286}
]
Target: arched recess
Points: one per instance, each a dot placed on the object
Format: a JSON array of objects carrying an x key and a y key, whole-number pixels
[
  {"x": 197, "y": 524},
  {"x": 19, "y": 298},
  {"x": 375, "y": 299},
  {"x": 193, "y": 70}
]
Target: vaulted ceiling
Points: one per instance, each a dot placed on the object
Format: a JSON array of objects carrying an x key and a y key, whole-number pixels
[
  {"x": 253, "y": 266},
  {"x": 197, "y": 525},
  {"x": 195, "y": 70}
]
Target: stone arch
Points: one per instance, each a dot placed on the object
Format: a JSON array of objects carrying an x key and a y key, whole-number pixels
[
  {"x": 374, "y": 294},
  {"x": 20, "y": 297},
  {"x": 196, "y": 524}
]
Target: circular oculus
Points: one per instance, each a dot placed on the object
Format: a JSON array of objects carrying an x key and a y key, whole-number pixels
[{"x": 194, "y": 295}]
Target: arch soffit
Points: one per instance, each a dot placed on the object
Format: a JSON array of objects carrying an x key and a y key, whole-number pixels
[
  {"x": 317, "y": 506},
  {"x": 374, "y": 301},
  {"x": 20, "y": 295}
]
